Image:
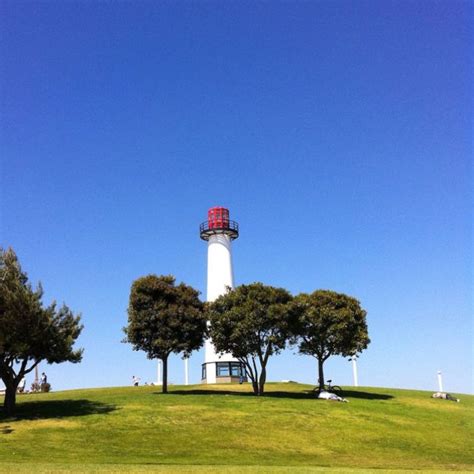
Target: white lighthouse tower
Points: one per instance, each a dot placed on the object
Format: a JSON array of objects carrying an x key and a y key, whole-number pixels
[{"x": 219, "y": 231}]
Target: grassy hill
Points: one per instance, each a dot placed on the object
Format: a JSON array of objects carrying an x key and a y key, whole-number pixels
[{"x": 226, "y": 429}]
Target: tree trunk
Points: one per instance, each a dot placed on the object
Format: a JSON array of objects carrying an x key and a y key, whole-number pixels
[
  {"x": 263, "y": 378},
  {"x": 253, "y": 378},
  {"x": 10, "y": 398},
  {"x": 164, "y": 387},
  {"x": 321, "y": 373},
  {"x": 253, "y": 374}
]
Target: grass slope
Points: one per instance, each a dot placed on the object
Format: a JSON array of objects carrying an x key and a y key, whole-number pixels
[{"x": 226, "y": 429}]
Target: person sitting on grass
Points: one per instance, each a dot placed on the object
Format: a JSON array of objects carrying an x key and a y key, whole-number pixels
[{"x": 330, "y": 396}]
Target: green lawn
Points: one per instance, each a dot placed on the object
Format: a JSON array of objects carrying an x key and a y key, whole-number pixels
[{"x": 224, "y": 428}]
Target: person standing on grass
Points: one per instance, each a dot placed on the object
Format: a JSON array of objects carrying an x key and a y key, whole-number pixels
[
  {"x": 135, "y": 381},
  {"x": 22, "y": 385}
]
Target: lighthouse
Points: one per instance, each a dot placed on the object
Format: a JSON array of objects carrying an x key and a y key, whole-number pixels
[{"x": 219, "y": 232}]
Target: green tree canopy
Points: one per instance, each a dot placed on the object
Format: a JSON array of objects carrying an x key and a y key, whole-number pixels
[
  {"x": 329, "y": 324},
  {"x": 164, "y": 318},
  {"x": 252, "y": 322},
  {"x": 30, "y": 332}
]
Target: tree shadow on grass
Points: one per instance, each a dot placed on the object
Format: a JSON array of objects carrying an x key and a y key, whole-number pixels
[
  {"x": 39, "y": 410},
  {"x": 6, "y": 429},
  {"x": 204, "y": 392},
  {"x": 366, "y": 395},
  {"x": 297, "y": 395},
  {"x": 221, "y": 393},
  {"x": 307, "y": 394}
]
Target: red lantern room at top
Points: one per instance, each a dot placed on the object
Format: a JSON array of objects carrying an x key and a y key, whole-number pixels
[
  {"x": 218, "y": 222},
  {"x": 218, "y": 217}
]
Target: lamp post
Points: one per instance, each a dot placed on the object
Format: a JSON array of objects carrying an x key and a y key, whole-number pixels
[
  {"x": 440, "y": 381},
  {"x": 355, "y": 376},
  {"x": 186, "y": 371},
  {"x": 158, "y": 369}
]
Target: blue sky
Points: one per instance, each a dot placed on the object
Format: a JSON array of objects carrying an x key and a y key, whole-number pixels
[{"x": 338, "y": 134}]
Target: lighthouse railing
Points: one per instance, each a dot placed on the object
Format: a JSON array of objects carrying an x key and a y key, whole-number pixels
[{"x": 224, "y": 225}]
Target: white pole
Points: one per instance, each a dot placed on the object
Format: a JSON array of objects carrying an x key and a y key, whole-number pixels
[
  {"x": 159, "y": 382},
  {"x": 36, "y": 375},
  {"x": 354, "y": 372},
  {"x": 186, "y": 371},
  {"x": 440, "y": 381}
]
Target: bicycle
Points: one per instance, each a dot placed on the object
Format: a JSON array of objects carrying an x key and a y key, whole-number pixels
[{"x": 331, "y": 389}]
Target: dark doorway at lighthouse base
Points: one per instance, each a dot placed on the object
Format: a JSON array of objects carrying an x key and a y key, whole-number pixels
[{"x": 223, "y": 372}]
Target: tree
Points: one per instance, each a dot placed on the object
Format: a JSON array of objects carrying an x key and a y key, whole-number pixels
[
  {"x": 252, "y": 322},
  {"x": 164, "y": 318},
  {"x": 330, "y": 323},
  {"x": 30, "y": 332}
]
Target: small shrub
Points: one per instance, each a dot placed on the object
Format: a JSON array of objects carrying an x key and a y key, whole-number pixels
[{"x": 45, "y": 387}]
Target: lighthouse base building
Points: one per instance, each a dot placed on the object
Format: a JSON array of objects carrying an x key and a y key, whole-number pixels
[
  {"x": 221, "y": 369},
  {"x": 219, "y": 231}
]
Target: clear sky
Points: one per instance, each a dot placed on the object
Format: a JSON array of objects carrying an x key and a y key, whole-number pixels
[{"x": 337, "y": 133}]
